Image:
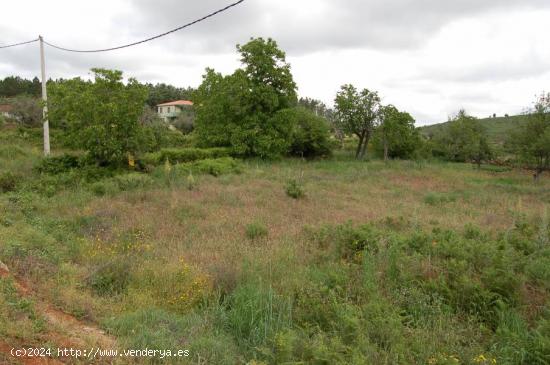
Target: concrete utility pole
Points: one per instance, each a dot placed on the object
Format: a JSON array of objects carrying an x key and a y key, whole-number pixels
[{"x": 44, "y": 100}]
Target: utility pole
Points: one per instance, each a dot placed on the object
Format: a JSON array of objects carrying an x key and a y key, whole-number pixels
[{"x": 46, "y": 124}]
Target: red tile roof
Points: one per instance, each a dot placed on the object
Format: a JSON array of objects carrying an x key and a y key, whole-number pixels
[
  {"x": 177, "y": 102},
  {"x": 5, "y": 108}
]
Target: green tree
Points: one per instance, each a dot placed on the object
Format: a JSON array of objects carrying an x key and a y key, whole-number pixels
[
  {"x": 464, "y": 139},
  {"x": 310, "y": 133},
  {"x": 101, "y": 116},
  {"x": 532, "y": 141},
  {"x": 396, "y": 135},
  {"x": 241, "y": 110},
  {"x": 356, "y": 114}
]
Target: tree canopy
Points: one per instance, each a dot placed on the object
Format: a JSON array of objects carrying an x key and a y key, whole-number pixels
[
  {"x": 463, "y": 140},
  {"x": 101, "y": 116},
  {"x": 356, "y": 114},
  {"x": 396, "y": 135},
  {"x": 532, "y": 141},
  {"x": 243, "y": 110}
]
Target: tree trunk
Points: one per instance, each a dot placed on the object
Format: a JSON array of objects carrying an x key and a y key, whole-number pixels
[
  {"x": 365, "y": 144},
  {"x": 385, "y": 149},
  {"x": 537, "y": 174},
  {"x": 359, "y": 147}
]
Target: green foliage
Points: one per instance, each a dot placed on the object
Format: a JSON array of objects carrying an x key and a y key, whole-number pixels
[
  {"x": 132, "y": 181},
  {"x": 157, "y": 135},
  {"x": 256, "y": 230},
  {"x": 110, "y": 278},
  {"x": 8, "y": 181},
  {"x": 214, "y": 167},
  {"x": 356, "y": 114},
  {"x": 256, "y": 313},
  {"x": 463, "y": 140},
  {"x": 241, "y": 110},
  {"x": 532, "y": 141},
  {"x": 182, "y": 155},
  {"x": 101, "y": 116},
  {"x": 295, "y": 189},
  {"x": 396, "y": 136},
  {"x": 14, "y": 86},
  {"x": 59, "y": 164},
  {"x": 439, "y": 198},
  {"x": 311, "y": 135}
]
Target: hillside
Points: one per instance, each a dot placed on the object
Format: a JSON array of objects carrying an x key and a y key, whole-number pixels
[{"x": 498, "y": 129}]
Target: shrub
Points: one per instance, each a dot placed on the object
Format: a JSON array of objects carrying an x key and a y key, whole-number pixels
[
  {"x": 439, "y": 198},
  {"x": 214, "y": 167},
  {"x": 102, "y": 188},
  {"x": 256, "y": 230},
  {"x": 311, "y": 136},
  {"x": 8, "y": 182},
  {"x": 218, "y": 166},
  {"x": 11, "y": 152},
  {"x": 132, "y": 181},
  {"x": 294, "y": 189},
  {"x": 59, "y": 164},
  {"x": 182, "y": 155},
  {"x": 110, "y": 277}
]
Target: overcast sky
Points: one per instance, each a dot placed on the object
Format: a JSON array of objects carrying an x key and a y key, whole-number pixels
[{"x": 428, "y": 57}]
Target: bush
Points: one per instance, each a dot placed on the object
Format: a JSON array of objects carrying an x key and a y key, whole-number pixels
[
  {"x": 439, "y": 198},
  {"x": 311, "y": 135},
  {"x": 132, "y": 181},
  {"x": 295, "y": 189},
  {"x": 110, "y": 278},
  {"x": 256, "y": 230},
  {"x": 182, "y": 155},
  {"x": 102, "y": 188},
  {"x": 158, "y": 135},
  {"x": 59, "y": 164},
  {"x": 8, "y": 182},
  {"x": 214, "y": 167}
]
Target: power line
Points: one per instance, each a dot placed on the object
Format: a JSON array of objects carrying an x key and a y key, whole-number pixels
[
  {"x": 151, "y": 38},
  {"x": 19, "y": 44}
]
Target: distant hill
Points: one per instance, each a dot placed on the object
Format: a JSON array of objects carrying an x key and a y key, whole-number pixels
[{"x": 498, "y": 129}]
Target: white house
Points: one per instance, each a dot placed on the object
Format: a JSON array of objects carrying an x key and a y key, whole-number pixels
[
  {"x": 170, "y": 111},
  {"x": 6, "y": 110}
]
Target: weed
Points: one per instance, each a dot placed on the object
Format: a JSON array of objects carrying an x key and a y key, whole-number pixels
[
  {"x": 295, "y": 189},
  {"x": 256, "y": 230}
]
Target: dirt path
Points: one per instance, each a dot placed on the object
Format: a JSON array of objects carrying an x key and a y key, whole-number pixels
[{"x": 64, "y": 329}]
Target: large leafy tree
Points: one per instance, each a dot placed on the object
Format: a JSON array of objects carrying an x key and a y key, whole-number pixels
[
  {"x": 101, "y": 116},
  {"x": 356, "y": 113},
  {"x": 532, "y": 141},
  {"x": 396, "y": 135},
  {"x": 241, "y": 110},
  {"x": 463, "y": 140}
]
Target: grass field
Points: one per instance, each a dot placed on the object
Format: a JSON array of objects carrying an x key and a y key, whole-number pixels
[{"x": 406, "y": 262}]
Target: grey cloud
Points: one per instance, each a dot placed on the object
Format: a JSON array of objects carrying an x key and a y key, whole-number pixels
[
  {"x": 531, "y": 65},
  {"x": 330, "y": 24}
]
